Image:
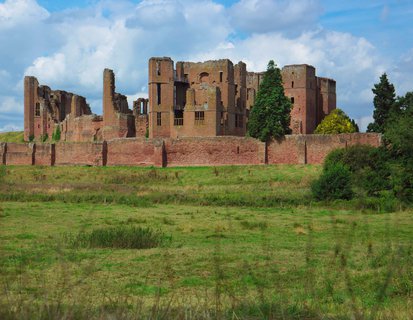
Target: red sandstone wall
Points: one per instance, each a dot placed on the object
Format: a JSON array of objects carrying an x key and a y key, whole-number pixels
[
  {"x": 19, "y": 154},
  {"x": 372, "y": 139},
  {"x": 285, "y": 150},
  {"x": 319, "y": 146},
  {"x": 44, "y": 154},
  {"x": 298, "y": 149},
  {"x": 213, "y": 151},
  {"x": 130, "y": 152},
  {"x": 87, "y": 153}
]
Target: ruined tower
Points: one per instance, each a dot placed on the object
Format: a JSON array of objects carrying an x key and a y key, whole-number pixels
[
  {"x": 117, "y": 118},
  {"x": 30, "y": 96},
  {"x": 161, "y": 96}
]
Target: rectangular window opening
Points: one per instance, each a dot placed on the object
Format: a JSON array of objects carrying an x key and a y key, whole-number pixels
[
  {"x": 239, "y": 120},
  {"x": 199, "y": 117},
  {"x": 159, "y": 93},
  {"x": 37, "y": 110},
  {"x": 292, "y": 100},
  {"x": 159, "y": 119},
  {"x": 221, "y": 74},
  {"x": 179, "y": 118},
  {"x": 292, "y": 84}
]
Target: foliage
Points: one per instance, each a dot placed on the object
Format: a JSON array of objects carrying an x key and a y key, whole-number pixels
[
  {"x": 270, "y": 116},
  {"x": 44, "y": 137},
  {"x": 123, "y": 237},
  {"x": 368, "y": 165},
  {"x": 31, "y": 138},
  {"x": 336, "y": 122},
  {"x": 398, "y": 137},
  {"x": 356, "y": 126},
  {"x": 334, "y": 183},
  {"x": 56, "y": 134},
  {"x": 399, "y": 131},
  {"x": 384, "y": 104}
]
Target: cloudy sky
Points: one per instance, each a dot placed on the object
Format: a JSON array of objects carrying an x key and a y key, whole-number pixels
[{"x": 67, "y": 44}]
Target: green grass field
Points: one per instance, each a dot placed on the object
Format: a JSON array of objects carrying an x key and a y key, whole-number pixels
[
  {"x": 239, "y": 243},
  {"x": 15, "y": 136}
]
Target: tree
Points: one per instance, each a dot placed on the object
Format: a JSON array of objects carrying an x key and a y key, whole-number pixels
[
  {"x": 384, "y": 104},
  {"x": 398, "y": 136},
  {"x": 270, "y": 116},
  {"x": 399, "y": 128},
  {"x": 336, "y": 122}
]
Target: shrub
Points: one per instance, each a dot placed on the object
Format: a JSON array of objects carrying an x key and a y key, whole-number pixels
[
  {"x": 123, "y": 237},
  {"x": 334, "y": 183},
  {"x": 369, "y": 166}
]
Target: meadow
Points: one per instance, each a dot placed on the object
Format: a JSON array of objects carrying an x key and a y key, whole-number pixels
[{"x": 236, "y": 242}]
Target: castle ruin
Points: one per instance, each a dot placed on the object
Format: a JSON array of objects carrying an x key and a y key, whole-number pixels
[{"x": 186, "y": 99}]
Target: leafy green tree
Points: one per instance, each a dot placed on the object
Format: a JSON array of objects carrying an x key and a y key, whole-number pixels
[
  {"x": 384, "y": 104},
  {"x": 399, "y": 128},
  {"x": 270, "y": 116},
  {"x": 398, "y": 137},
  {"x": 336, "y": 122}
]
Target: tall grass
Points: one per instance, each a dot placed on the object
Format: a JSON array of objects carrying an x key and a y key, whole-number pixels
[{"x": 120, "y": 237}]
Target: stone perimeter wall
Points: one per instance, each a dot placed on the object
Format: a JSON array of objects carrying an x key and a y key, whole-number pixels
[{"x": 202, "y": 151}]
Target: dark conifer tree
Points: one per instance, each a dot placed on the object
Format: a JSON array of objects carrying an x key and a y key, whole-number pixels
[
  {"x": 270, "y": 116},
  {"x": 384, "y": 104}
]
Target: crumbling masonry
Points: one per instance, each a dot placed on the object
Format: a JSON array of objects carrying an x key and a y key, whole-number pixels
[{"x": 207, "y": 99}]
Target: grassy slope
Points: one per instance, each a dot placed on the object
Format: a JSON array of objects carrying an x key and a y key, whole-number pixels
[
  {"x": 308, "y": 260},
  {"x": 16, "y": 136}
]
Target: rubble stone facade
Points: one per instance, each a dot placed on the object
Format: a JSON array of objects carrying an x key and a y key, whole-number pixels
[{"x": 186, "y": 99}]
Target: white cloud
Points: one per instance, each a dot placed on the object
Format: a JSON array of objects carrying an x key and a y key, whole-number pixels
[
  {"x": 125, "y": 42},
  {"x": 10, "y": 104},
  {"x": 353, "y": 62},
  {"x": 13, "y": 12},
  {"x": 363, "y": 122},
  {"x": 275, "y": 15},
  {"x": 68, "y": 50},
  {"x": 401, "y": 73}
]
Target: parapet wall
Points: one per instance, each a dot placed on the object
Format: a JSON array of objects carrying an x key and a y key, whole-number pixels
[{"x": 202, "y": 151}]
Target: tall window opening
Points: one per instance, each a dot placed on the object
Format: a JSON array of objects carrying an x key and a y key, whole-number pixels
[
  {"x": 37, "y": 110},
  {"x": 158, "y": 119},
  {"x": 158, "y": 90},
  {"x": 179, "y": 118},
  {"x": 221, "y": 74},
  {"x": 239, "y": 121},
  {"x": 199, "y": 118},
  {"x": 292, "y": 84},
  {"x": 292, "y": 100}
]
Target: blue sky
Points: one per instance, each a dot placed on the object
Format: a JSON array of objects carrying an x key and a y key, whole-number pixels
[{"x": 67, "y": 44}]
